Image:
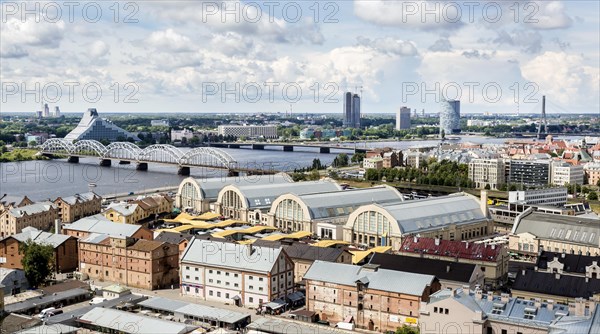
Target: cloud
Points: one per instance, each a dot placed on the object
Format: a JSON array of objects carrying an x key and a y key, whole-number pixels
[
  {"x": 99, "y": 49},
  {"x": 422, "y": 14},
  {"x": 389, "y": 45},
  {"x": 475, "y": 54},
  {"x": 529, "y": 41},
  {"x": 169, "y": 40},
  {"x": 22, "y": 38},
  {"x": 564, "y": 78},
  {"x": 546, "y": 15},
  {"x": 441, "y": 45}
]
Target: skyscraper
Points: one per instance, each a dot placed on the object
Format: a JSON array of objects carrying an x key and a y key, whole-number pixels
[
  {"x": 403, "y": 118},
  {"x": 348, "y": 120},
  {"x": 46, "y": 110},
  {"x": 450, "y": 117},
  {"x": 56, "y": 111},
  {"x": 356, "y": 110}
]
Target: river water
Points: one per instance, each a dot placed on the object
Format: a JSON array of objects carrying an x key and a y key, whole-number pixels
[{"x": 48, "y": 179}]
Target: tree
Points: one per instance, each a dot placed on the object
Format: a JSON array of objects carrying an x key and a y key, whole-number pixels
[
  {"x": 443, "y": 134},
  {"x": 358, "y": 157},
  {"x": 598, "y": 183},
  {"x": 593, "y": 196},
  {"x": 405, "y": 329},
  {"x": 341, "y": 160},
  {"x": 314, "y": 175},
  {"x": 38, "y": 262},
  {"x": 487, "y": 187},
  {"x": 33, "y": 143}
]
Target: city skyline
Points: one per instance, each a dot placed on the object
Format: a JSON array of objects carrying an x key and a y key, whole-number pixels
[{"x": 169, "y": 69}]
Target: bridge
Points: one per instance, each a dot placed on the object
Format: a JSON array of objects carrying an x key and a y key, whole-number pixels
[
  {"x": 126, "y": 153},
  {"x": 289, "y": 147}
]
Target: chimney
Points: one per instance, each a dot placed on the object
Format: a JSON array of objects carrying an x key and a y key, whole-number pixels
[
  {"x": 467, "y": 245},
  {"x": 57, "y": 226},
  {"x": 550, "y": 304},
  {"x": 493, "y": 246},
  {"x": 537, "y": 302},
  {"x": 448, "y": 269},
  {"x": 504, "y": 297},
  {"x": 415, "y": 239},
  {"x": 484, "y": 202},
  {"x": 523, "y": 271},
  {"x": 557, "y": 276},
  {"x": 437, "y": 241},
  {"x": 490, "y": 296},
  {"x": 563, "y": 255},
  {"x": 478, "y": 293}
]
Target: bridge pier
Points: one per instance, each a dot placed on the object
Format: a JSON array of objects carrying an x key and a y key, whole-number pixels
[
  {"x": 258, "y": 147},
  {"x": 73, "y": 160},
  {"x": 185, "y": 171},
  {"x": 324, "y": 150},
  {"x": 233, "y": 173},
  {"x": 288, "y": 148},
  {"x": 124, "y": 162},
  {"x": 233, "y": 146},
  {"x": 143, "y": 166},
  {"x": 105, "y": 162}
]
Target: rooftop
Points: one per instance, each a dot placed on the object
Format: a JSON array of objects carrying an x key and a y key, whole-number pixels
[
  {"x": 555, "y": 284},
  {"x": 573, "y": 263},
  {"x": 100, "y": 224},
  {"x": 210, "y": 187},
  {"x": 567, "y": 229},
  {"x": 196, "y": 310},
  {"x": 445, "y": 270},
  {"x": 32, "y": 209},
  {"x": 127, "y": 322},
  {"x": 379, "y": 279},
  {"x": 40, "y": 237},
  {"x": 454, "y": 249}
]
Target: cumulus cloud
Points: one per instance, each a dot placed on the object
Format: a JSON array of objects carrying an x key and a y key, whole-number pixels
[
  {"x": 389, "y": 45},
  {"x": 564, "y": 78},
  {"x": 422, "y": 14},
  {"x": 528, "y": 41},
  {"x": 441, "y": 45},
  {"x": 99, "y": 49},
  {"x": 547, "y": 15},
  {"x": 169, "y": 40},
  {"x": 20, "y": 38}
]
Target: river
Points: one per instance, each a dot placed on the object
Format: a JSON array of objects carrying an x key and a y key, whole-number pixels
[{"x": 48, "y": 179}]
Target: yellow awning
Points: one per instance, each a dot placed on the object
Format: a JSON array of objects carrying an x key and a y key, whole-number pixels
[
  {"x": 295, "y": 235},
  {"x": 329, "y": 243}
]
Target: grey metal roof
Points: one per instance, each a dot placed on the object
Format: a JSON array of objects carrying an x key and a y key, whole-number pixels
[
  {"x": 68, "y": 317},
  {"x": 84, "y": 197},
  {"x": 512, "y": 311},
  {"x": 568, "y": 229},
  {"x": 45, "y": 300},
  {"x": 127, "y": 322},
  {"x": 213, "y": 313},
  {"x": 126, "y": 209},
  {"x": 32, "y": 209},
  {"x": 264, "y": 195},
  {"x": 382, "y": 279},
  {"x": 100, "y": 224},
  {"x": 282, "y": 326},
  {"x": 230, "y": 255},
  {"x": 49, "y": 329},
  {"x": 210, "y": 187},
  {"x": 577, "y": 324},
  {"x": 40, "y": 237},
  {"x": 344, "y": 202},
  {"x": 433, "y": 213}
]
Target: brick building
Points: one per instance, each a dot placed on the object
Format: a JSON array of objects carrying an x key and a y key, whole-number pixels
[
  {"x": 138, "y": 263},
  {"x": 39, "y": 215},
  {"x": 372, "y": 298},
  {"x": 75, "y": 207},
  {"x": 65, "y": 249}
]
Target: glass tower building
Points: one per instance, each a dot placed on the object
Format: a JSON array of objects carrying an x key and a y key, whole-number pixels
[{"x": 450, "y": 117}]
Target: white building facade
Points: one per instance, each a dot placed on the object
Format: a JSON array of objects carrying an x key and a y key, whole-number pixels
[
  {"x": 250, "y": 131},
  {"x": 563, "y": 173}
]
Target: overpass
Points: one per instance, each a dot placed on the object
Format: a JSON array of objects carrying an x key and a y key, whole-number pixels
[
  {"x": 288, "y": 147},
  {"x": 126, "y": 153}
]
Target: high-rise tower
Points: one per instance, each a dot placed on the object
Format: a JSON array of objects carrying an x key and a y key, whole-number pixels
[{"x": 450, "y": 117}]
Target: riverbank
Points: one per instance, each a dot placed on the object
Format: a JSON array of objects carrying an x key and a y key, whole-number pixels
[{"x": 21, "y": 154}]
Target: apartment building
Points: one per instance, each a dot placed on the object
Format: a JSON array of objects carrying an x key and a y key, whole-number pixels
[
  {"x": 65, "y": 249},
  {"x": 529, "y": 172},
  {"x": 592, "y": 172},
  {"x": 372, "y": 298},
  {"x": 569, "y": 264},
  {"x": 84, "y": 227},
  {"x": 492, "y": 258},
  {"x": 75, "y": 207},
  {"x": 137, "y": 263},
  {"x": 39, "y": 215},
  {"x": 464, "y": 311},
  {"x": 564, "y": 173},
  {"x": 244, "y": 275},
  {"x": 556, "y": 196},
  {"x": 373, "y": 163},
  {"x": 487, "y": 173},
  {"x": 248, "y": 131}
]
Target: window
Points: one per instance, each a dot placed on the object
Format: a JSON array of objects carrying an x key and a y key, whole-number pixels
[
  {"x": 250, "y": 299},
  {"x": 210, "y": 293},
  {"x": 226, "y": 295},
  {"x": 187, "y": 288},
  {"x": 187, "y": 276},
  {"x": 250, "y": 277},
  {"x": 435, "y": 309},
  {"x": 235, "y": 285},
  {"x": 196, "y": 269},
  {"x": 260, "y": 288},
  {"x": 187, "y": 268},
  {"x": 210, "y": 271},
  {"x": 251, "y": 287},
  {"x": 197, "y": 279},
  {"x": 218, "y": 272},
  {"x": 445, "y": 311},
  {"x": 210, "y": 280},
  {"x": 235, "y": 275},
  {"x": 218, "y": 293},
  {"x": 218, "y": 282},
  {"x": 274, "y": 279},
  {"x": 260, "y": 279},
  {"x": 226, "y": 274}
]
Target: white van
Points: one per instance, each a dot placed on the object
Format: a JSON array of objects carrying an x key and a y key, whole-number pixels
[{"x": 45, "y": 312}]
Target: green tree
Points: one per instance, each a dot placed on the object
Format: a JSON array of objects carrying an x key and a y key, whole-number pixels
[
  {"x": 314, "y": 175},
  {"x": 405, "y": 329},
  {"x": 341, "y": 160},
  {"x": 593, "y": 196},
  {"x": 358, "y": 157},
  {"x": 296, "y": 176},
  {"x": 598, "y": 183},
  {"x": 38, "y": 262},
  {"x": 443, "y": 134}
]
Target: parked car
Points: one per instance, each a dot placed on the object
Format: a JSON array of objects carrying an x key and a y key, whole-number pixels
[
  {"x": 97, "y": 300},
  {"x": 45, "y": 312}
]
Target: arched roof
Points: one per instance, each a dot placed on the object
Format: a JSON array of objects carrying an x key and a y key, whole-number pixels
[
  {"x": 339, "y": 202},
  {"x": 427, "y": 214},
  {"x": 209, "y": 188},
  {"x": 256, "y": 196}
]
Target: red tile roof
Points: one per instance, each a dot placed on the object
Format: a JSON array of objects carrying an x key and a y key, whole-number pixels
[{"x": 452, "y": 249}]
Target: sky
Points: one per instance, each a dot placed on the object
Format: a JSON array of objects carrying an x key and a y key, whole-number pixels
[{"x": 300, "y": 56}]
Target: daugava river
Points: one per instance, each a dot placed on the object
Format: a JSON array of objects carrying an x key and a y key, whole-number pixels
[{"x": 48, "y": 179}]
